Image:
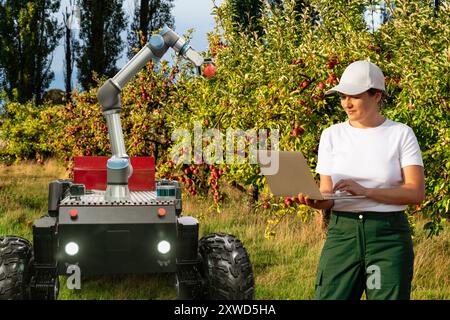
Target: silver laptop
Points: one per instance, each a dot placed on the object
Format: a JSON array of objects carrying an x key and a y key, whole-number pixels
[{"x": 288, "y": 174}]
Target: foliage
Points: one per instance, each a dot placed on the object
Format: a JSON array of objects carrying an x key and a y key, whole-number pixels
[
  {"x": 28, "y": 36},
  {"x": 69, "y": 48},
  {"x": 25, "y": 133},
  {"x": 276, "y": 81},
  {"x": 149, "y": 15},
  {"x": 415, "y": 46},
  {"x": 245, "y": 15},
  {"x": 101, "y": 23}
]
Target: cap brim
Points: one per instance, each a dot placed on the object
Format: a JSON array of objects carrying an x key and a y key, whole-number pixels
[{"x": 347, "y": 88}]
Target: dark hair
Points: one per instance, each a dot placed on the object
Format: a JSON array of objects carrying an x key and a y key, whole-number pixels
[{"x": 373, "y": 91}]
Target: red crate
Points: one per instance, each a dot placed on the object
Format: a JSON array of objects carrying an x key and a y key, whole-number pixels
[{"x": 91, "y": 171}]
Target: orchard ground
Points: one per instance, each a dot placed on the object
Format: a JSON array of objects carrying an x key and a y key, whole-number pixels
[{"x": 284, "y": 266}]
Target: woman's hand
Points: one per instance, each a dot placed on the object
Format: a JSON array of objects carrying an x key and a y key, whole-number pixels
[
  {"x": 412, "y": 191},
  {"x": 351, "y": 187},
  {"x": 316, "y": 204}
]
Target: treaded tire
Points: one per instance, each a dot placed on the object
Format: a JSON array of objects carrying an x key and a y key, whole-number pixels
[
  {"x": 15, "y": 256},
  {"x": 227, "y": 270}
]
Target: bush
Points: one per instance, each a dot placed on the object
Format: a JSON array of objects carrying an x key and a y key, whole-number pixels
[
  {"x": 278, "y": 81},
  {"x": 25, "y": 132}
]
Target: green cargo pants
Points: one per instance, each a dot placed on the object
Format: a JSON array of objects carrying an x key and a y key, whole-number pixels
[{"x": 366, "y": 251}]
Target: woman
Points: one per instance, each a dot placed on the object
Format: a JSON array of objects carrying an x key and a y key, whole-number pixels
[{"x": 368, "y": 246}]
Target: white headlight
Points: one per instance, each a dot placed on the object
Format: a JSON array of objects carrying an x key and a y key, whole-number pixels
[
  {"x": 71, "y": 248},
  {"x": 164, "y": 247}
]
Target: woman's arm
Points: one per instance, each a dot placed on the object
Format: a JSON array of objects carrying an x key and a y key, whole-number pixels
[
  {"x": 326, "y": 186},
  {"x": 412, "y": 191}
]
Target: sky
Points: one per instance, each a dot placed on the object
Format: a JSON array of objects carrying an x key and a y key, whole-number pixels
[{"x": 188, "y": 14}]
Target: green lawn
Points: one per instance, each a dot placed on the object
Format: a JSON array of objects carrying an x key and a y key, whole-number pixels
[{"x": 284, "y": 266}]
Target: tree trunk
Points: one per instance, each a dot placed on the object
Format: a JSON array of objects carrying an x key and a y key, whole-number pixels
[
  {"x": 253, "y": 195},
  {"x": 155, "y": 153},
  {"x": 68, "y": 79},
  {"x": 97, "y": 43},
  {"x": 238, "y": 187},
  {"x": 39, "y": 84},
  {"x": 153, "y": 13},
  {"x": 144, "y": 19},
  {"x": 68, "y": 52},
  {"x": 21, "y": 73},
  {"x": 437, "y": 4}
]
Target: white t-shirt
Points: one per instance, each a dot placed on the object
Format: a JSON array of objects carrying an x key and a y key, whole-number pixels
[{"x": 373, "y": 157}]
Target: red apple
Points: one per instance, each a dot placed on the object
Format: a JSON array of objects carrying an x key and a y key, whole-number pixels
[
  {"x": 304, "y": 84},
  {"x": 287, "y": 201},
  {"x": 297, "y": 131},
  {"x": 209, "y": 70}
]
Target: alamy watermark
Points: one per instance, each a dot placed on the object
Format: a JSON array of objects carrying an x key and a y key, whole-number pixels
[
  {"x": 373, "y": 277},
  {"x": 74, "y": 277},
  {"x": 236, "y": 146}
]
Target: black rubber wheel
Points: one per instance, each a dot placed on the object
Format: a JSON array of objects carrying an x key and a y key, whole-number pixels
[
  {"x": 227, "y": 270},
  {"x": 15, "y": 256}
]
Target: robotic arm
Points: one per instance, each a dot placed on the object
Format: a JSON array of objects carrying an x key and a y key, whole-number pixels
[{"x": 119, "y": 167}]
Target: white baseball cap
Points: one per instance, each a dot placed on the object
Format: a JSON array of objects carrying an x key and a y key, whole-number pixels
[{"x": 359, "y": 77}]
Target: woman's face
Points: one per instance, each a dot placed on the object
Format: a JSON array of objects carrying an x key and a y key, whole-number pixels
[{"x": 360, "y": 107}]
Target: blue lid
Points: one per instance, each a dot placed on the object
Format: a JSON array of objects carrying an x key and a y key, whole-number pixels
[
  {"x": 117, "y": 164},
  {"x": 156, "y": 42}
]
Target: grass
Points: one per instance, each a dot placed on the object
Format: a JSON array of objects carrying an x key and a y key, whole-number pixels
[{"x": 284, "y": 266}]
